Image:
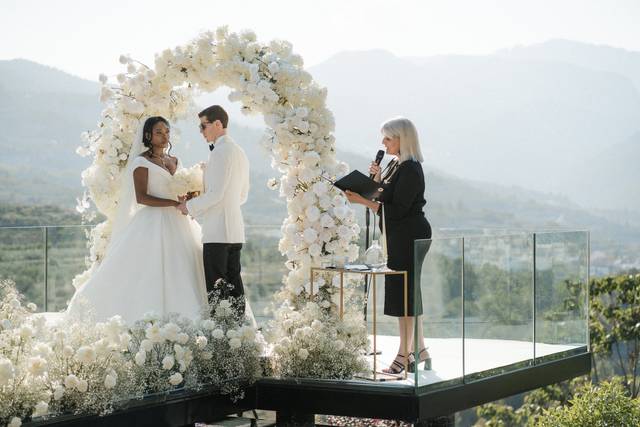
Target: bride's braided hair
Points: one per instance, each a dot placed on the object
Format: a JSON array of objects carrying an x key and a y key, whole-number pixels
[{"x": 148, "y": 128}]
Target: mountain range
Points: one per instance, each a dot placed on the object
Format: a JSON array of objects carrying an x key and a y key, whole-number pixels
[{"x": 485, "y": 182}]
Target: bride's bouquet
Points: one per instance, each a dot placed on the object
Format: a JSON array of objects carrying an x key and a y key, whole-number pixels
[{"x": 187, "y": 181}]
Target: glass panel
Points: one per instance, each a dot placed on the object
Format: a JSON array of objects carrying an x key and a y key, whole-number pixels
[
  {"x": 262, "y": 269},
  {"x": 439, "y": 276},
  {"x": 22, "y": 261},
  {"x": 562, "y": 277},
  {"x": 386, "y": 330},
  {"x": 67, "y": 253},
  {"x": 498, "y": 304}
]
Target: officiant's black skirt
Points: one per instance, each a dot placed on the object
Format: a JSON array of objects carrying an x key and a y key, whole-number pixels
[{"x": 402, "y": 256}]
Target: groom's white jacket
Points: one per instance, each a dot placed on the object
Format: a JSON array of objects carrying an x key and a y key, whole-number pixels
[{"x": 226, "y": 187}]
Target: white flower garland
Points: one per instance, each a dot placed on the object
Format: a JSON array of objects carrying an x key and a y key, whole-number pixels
[{"x": 267, "y": 79}]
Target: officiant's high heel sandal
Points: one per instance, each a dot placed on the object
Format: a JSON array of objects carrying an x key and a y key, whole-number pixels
[
  {"x": 423, "y": 356},
  {"x": 397, "y": 366}
]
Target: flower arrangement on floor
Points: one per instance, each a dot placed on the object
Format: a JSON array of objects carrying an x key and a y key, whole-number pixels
[
  {"x": 87, "y": 368},
  {"x": 266, "y": 78}
]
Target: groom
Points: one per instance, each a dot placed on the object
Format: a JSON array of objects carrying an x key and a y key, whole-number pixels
[{"x": 226, "y": 186}]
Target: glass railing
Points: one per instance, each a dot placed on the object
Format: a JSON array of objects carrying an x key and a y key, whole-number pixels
[
  {"x": 494, "y": 303},
  {"x": 491, "y": 302},
  {"x": 43, "y": 260}
]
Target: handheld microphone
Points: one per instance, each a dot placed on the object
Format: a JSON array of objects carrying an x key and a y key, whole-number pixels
[{"x": 377, "y": 161}]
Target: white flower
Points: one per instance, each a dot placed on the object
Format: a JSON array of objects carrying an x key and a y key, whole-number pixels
[
  {"x": 208, "y": 324},
  {"x": 14, "y": 303},
  {"x": 315, "y": 249},
  {"x": 109, "y": 382},
  {"x": 140, "y": 358},
  {"x": 26, "y": 332},
  {"x": 71, "y": 381},
  {"x": 303, "y": 353},
  {"x": 42, "y": 408},
  {"x": 124, "y": 59},
  {"x": 310, "y": 235},
  {"x": 154, "y": 333},
  {"x": 168, "y": 362},
  {"x": 83, "y": 386},
  {"x": 175, "y": 379},
  {"x": 182, "y": 338},
  {"x": 86, "y": 354},
  {"x": 207, "y": 355},
  {"x": 7, "y": 371},
  {"x": 58, "y": 393},
  {"x": 217, "y": 334},
  {"x": 201, "y": 341},
  {"x": 36, "y": 366},
  {"x": 235, "y": 343},
  {"x": 339, "y": 344},
  {"x": 6, "y": 324},
  {"x": 146, "y": 345},
  {"x": 102, "y": 78},
  {"x": 15, "y": 422},
  {"x": 32, "y": 307},
  {"x": 68, "y": 351}
]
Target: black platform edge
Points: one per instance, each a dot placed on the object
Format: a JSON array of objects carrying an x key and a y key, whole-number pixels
[
  {"x": 468, "y": 395},
  {"x": 408, "y": 403},
  {"x": 180, "y": 409}
]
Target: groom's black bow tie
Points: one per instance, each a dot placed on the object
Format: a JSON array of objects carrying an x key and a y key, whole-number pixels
[{"x": 211, "y": 147}]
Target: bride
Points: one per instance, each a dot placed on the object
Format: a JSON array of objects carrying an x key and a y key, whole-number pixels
[{"x": 154, "y": 259}]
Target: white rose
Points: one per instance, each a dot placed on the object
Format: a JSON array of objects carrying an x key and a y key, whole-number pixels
[
  {"x": 146, "y": 345},
  {"x": 86, "y": 354},
  {"x": 140, "y": 358},
  {"x": 310, "y": 235},
  {"x": 32, "y": 307},
  {"x": 68, "y": 351},
  {"x": 14, "y": 303},
  {"x": 37, "y": 366},
  {"x": 175, "y": 379},
  {"x": 235, "y": 343},
  {"x": 26, "y": 332},
  {"x": 182, "y": 338},
  {"x": 303, "y": 353},
  {"x": 315, "y": 249},
  {"x": 109, "y": 382},
  {"x": 15, "y": 422},
  {"x": 83, "y": 386},
  {"x": 71, "y": 381},
  {"x": 218, "y": 334},
  {"x": 41, "y": 409},
  {"x": 208, "y": 324},
  {"x": 201, "y": 342},
  {"x": 7, "y": 371},
  {"x": 168, "y": 362},
  {"x": 170, "y": 331},
  {"x": 6, "y": 324},
  {"x": 58, "y": 393}
]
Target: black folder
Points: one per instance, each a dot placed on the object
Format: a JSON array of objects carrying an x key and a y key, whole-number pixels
[{"x": 359, "y": 183}]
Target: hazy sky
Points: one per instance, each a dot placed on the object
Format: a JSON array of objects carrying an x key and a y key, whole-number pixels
[{"x": 86, "y": 37}]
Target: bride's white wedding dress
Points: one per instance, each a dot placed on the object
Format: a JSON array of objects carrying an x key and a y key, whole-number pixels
[{"x": 154, "y": 264}]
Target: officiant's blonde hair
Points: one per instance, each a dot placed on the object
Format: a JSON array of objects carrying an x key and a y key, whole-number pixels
[{"x": 404, "y": 129}]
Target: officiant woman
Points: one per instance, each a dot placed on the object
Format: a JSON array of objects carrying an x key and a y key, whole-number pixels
[{"x": 400, "y": 208}]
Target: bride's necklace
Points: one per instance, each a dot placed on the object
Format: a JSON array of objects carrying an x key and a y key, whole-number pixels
[{"x": 161, "y": 158}]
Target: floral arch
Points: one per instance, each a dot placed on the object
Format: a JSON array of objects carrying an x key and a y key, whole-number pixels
[{"x": 267, "y": 79}]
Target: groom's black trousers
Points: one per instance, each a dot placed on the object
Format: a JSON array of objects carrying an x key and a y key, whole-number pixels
[{"x": 222, "y": 261}]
